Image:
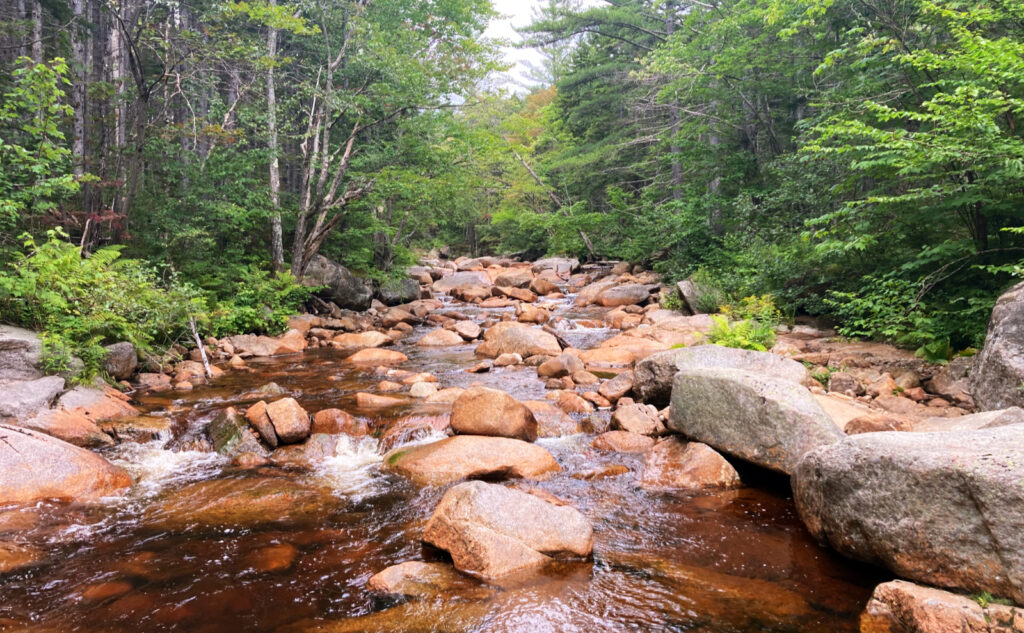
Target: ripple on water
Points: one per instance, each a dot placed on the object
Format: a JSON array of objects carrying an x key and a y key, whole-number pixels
[{"x": 153, "y": 467}]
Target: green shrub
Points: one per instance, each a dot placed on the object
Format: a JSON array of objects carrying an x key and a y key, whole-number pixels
[
  {"x": 671, "y": 300},
  {"x": 748, "y": 334},
  {"x": 754, "y": 308},
  {"x": 82, "y": 303},
  {"x": 894, "y": 310},
  {"x": 261, "y": 303}
]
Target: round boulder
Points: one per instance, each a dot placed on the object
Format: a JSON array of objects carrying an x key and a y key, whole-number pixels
[{"x": 485, "y": 411}]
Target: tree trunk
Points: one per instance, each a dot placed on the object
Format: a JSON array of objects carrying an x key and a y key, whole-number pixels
[
  {"x": 276, "y": 234},
  {"x": 80, "y": 73},
  {"x": 37, "y": 31},
  {"x": 22, "y": 14},
  {"x": 674, "y": 118}
]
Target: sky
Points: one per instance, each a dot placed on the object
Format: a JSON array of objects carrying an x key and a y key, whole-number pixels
[
  {"x": 514, "y": 13},
  {"x": 517, "y": 13}
]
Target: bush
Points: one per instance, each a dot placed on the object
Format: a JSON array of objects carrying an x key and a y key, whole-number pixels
[
  {"x": 261, "y": 304},
  {"x": 749, "y": 334},
  {"x": 894, "y": 310},
  {"x": 754, "y": 308},
  {"x": 82, "y": 303}
]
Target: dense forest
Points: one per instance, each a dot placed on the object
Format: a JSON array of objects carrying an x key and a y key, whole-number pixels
[{"x": 165, "y": 164}]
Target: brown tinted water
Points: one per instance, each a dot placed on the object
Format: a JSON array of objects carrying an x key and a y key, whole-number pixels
[{"x": 200, "y": 546}]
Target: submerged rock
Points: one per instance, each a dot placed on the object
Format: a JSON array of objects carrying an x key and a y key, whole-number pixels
[
  {"x": 942, "y": 508},
  {"x": 14, "y": 556},
  {"x": 377, "y": 357},
  {"x": 768, "y": 421},
  {"x": 239, "y": 502},
  {"x": 34, "y": 466},
  {"x": 467, "y": 456},
  {"x": 415, "y": 579},
  {"x": 493, "y": 531},
  {"x": 623, "y": 442}
]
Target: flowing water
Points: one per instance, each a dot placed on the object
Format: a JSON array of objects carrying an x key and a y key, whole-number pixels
[{"x": 198, "y": 545}]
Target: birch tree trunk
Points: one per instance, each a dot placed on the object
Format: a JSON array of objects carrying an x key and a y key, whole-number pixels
[
  {"x": 276, "y": 234},
  {"x": 80, "y": 69}
]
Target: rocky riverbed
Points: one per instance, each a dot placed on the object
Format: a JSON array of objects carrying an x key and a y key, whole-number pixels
[{"x": 511, "y": 447}]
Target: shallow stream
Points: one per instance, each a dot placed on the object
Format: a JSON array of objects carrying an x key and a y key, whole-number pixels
[{"x": 198, "y": 545}]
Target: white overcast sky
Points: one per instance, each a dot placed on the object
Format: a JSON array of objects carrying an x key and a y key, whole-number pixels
[{"x": 517, "y": 13}]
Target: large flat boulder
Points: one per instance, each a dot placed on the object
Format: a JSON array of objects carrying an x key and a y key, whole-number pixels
[
  {"x": 35, "y": 466},
  {"x": 485, "y": 411},
  {"x": 999, "y": 369},
  {"x": 255, "y": 345},
  {"x": 21, "y": 353},
  {"x": 359, "y": 340},
  {"x": 653, "y": 376},
  {"x": 510, "y": 337},
  {"x": 339, "y": 284},
  {"x": 514, "y": 278},
  {"x": 469, "y": 456},
  {"x": 624, "y": 295},
  {"x": 24, "y": 400},
  {"x": 589, "y": 293},
  {"x": 942, "y": 508},
  {"x": 462, "y": 280},
  {"x": 973, "y": 422},
  {"x": 561, "y": 265},
  {"x": 493, "y": 531},
  {"x": 769, "y": 421}
]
